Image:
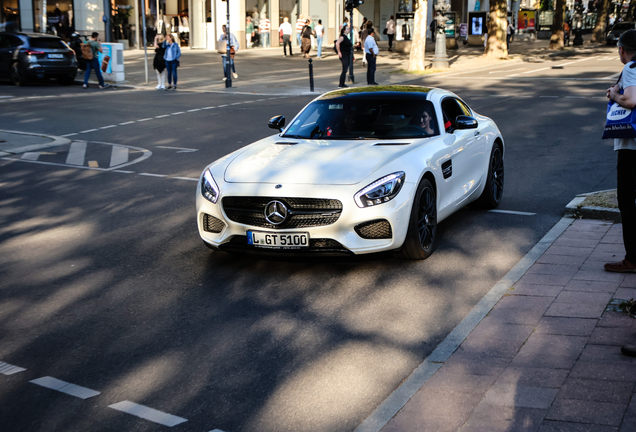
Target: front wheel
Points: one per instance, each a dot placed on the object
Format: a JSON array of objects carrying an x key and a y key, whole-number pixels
[
  {"x": 493, "y": 191},
  {"x": 18, "y": 77},
  {"x": 421, "y": 237}
]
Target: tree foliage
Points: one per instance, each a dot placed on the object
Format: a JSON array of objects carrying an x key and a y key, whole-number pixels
[
  {"x": 418, "y": 43},
  {"x": 558, "y": 35},
  {"x": 497, "y": 30}
]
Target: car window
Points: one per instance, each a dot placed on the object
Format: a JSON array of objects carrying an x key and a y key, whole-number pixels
[
  {"x": 46, "y": 43},
  {"x": 623, "y": 26},
  {"x": 465, "y": 108},
  {"x": 365, "y": 118},
  {"x": 5, "y": 41},
  {"x": 451, "y": 108}
]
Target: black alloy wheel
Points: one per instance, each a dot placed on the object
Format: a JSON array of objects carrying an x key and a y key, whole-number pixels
[
  {"x": 18, "y": 77},
  {"x": 421, "y": 238},
  {"x": 493, "y": 192}
]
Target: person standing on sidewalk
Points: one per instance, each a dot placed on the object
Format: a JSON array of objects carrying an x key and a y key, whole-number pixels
[
  {"x": 624, "y": 93},
  {"x": 94, "y": 62},
  {"x": 263, "y": 31},
  {"x": 306, "y": 40},
  {"x": 234, "y": 47},
  {"x": 371, "y": 52},
  {"x": 509, "y": 32},
  {"x": 171, "y": 56},
  {"x": 320, "y": 32},
  {"x": 300, "y": 23},
  {"x": 158, "y": 63},
  {"x": 286, "y": 28},
  {"x": 344, "y": 47},
  {"x": 390, "y": 31},
  {"x": 249, "y": 32}
]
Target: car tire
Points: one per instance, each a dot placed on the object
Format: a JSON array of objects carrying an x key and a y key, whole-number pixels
[
  {"x": 421, "y": 237},
  {"x": 493, "y": 191},
  {"x": 18, "y": 76},
  {"x": 66, "y": 80}
]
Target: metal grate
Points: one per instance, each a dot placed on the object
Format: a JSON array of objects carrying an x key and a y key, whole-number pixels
[
  {"x": 303, "y": 212},
  {"x": 375, "y": 229},
  {"x": 212, "y": 224}
]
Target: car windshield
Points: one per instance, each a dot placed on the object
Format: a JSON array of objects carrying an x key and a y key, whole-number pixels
[
  {"x": 365, "y": 118},
  {"x": 623, "y": 26},
  {"x": 46, "y": 43}
]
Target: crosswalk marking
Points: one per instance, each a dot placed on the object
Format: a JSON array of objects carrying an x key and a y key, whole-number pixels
[
  {"x": 76, "y": 153},
  {"x": 148, "y": 413},
  {"x": 118, "y": 155},
  {"x": 30, "y": 156},
  {"x": 65, "y": 387},
  {"x": 9, "y": 369}
]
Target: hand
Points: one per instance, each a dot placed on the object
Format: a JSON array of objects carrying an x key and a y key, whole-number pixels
[
  {"x": 612, "y": 91},
  {"x": 340, "y": 54}
]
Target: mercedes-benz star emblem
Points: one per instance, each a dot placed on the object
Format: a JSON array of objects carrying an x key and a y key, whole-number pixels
[{"x": 275, "y": 212}]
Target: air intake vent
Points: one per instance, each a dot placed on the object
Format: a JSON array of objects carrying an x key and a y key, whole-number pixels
[
  {"x": 391, "y": 143},
  {"x": 375, "y": 229},
  {"x": 212, "y": 224},
  {"x": 286, "y": 142}
]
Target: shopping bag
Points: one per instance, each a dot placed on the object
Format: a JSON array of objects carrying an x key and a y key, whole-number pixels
[{"x": 621, "y": 122}]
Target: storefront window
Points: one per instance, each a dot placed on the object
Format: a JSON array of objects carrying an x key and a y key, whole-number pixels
[
  {"x": 39, "y": 16},
  {"x": 59, "y": 19},
  {"x": 256, "y": 13},
  {"x": 9, "y": 15},
  {"x": 289, "y": 9}
]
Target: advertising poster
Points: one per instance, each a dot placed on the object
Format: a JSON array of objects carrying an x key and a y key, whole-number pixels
[
  {"x": 463, "y": 30},
  {"x": 104, "y": 59},
  {"x": 449, "y": 30},
  {"x": 525, "y": 23},
  {"x": 477, "y": 23}
]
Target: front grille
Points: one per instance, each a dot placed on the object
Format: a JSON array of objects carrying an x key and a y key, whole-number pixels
[
  {"x": 212, "y": 224},
  {"x": 302, "y": 212},
  {"x": 375, "y": 229}
]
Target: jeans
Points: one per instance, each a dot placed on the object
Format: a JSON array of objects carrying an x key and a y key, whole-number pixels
[
  {"x": 264, "y": 39},
  {"x": 287, "y": 41},
  {"x": 171, "y": 67},
  {"x": 319, "y": 42},
  {"x": 298, "y": 39},
  {"x": 370, "y": 68},
  {"x": 93, "y": 64},
  {"x": 390, "y": 40},
  {"x": 225, "y": 65},
  {"x": 626, "y": 191},
  {"x": 346, "y": 61}
]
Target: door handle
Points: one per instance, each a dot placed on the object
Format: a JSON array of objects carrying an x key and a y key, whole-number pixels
[{"x": 477, "y": 133}]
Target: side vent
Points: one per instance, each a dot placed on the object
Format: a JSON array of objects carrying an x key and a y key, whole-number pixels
[
  {"x": 447, "y": 169},
  {"x": 391, "y": 143},
  {"x": 286, "y": 142}
]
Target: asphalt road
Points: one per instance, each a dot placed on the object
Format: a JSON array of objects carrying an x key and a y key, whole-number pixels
[{"x": 105, "y": 284}]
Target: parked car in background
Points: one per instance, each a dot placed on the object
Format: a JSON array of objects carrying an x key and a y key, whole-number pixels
[
  {"x": 25, "y": 57},
  {"x": 617, "y": 30}
]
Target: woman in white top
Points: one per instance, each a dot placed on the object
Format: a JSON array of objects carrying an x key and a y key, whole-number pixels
[{"x": 390, "y": 31}]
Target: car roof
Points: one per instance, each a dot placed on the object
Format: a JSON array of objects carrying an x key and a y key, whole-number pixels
[
  {"x": 387, "y": 91},
  {"x": 31, "y": 35}
]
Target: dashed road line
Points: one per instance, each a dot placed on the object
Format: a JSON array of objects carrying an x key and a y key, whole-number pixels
[
  {"x": 9, "y": 369},
  {"x": 124, "y": 172},
  {"x": 185, "y": 178},
  {"x": 194, "y": 110},
  {"x": 152, "y": 175},
  {"x": 147, "y": 413},
  {"x": 126, "y": 123},
  {"x": 71, "y": 134},
  {"x": 177, "y": 113},
  {"x": 30, "y": 156},
  {"x": 89, "y": 130},
  {"x": 108, "y": 127},
  {"x": 143, "y": 120},
  {"x": 162, "y": 116},
  {"x": 512, "y": 212},
  {"x": 65, "y": 387},
  {"x": 548, "y": 96}
]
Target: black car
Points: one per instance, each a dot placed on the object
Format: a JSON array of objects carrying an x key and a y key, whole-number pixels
[
  {"x": 615, "y": 32},
  {"x": 31, "y": 56}
]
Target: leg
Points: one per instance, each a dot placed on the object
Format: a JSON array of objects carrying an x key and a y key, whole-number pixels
[
  {"x": 225, "y": 70},
  {"x": 98, "y": 72},
  {"x": 164, "y": 76},
  {"x": 169, "y": 69},
  {"x": 285, "y": 40},
  {"x": 369, "y": 71},
  {"x": 174, "y": 73},
  {"x": 345, "y": 66},
  {"x": 626, "y": 188},
  {"x": 319, "y": 42},
  {"x": 372, "y": 65},
  {"x": 87, "y": 75},
  {"x": 158, "y": 78}
]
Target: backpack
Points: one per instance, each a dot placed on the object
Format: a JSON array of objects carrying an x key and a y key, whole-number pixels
[{"x": 87, "y": 52}]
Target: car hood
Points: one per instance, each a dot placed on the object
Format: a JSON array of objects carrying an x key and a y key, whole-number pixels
[{"x": 333, "y": 162}]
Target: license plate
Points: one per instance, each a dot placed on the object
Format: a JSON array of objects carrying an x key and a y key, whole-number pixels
[
  {"x": 278, "y": 241},
  {"x": 55, "y": 56}
]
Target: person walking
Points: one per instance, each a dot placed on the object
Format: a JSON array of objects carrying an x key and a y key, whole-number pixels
[
  {"x": 344, "y": 47},
  {"x": 158, "y": 63},
  {"x": 234, "y": 48},
  {"x": 319, "y": 30},
  {"x": 371, "y": 52},
  {"x": 171, "y": 56},
  {"x": 390, "y": 31},
  {"x": 93, "y": 63},
  {"x": 249, "y": 32},
  {"x": 263, "y": 31},
  {"x": 300, "y": 23},
  {"x": 509, "y": 32},
  {"x": 286, "y": 28},
  {"x": 306, "y": 40}
]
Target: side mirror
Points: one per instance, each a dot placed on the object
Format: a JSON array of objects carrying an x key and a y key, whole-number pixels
[
  {"x": 278, "y": 122},
  {"x": 465, "y": 122}
]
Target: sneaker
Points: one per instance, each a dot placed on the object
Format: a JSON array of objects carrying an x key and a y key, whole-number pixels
[
  {"x": 174, "y": 87},
  {"x": 85, "y": 86},
  {"x": 158, "y": 87},
  {"x": 235, "y": 75},
  {"x": 373, "y": 83},
  {"x": 621, "y": 267},
  {"x": 224, "y": 78},
  {"x": 343, "y": 86},
  {"x": 168, "y": 87},
  {"x": 104, "y": 86}
]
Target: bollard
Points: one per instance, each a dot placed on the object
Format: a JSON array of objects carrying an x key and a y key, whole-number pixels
[{"x": 311, "y": 76}]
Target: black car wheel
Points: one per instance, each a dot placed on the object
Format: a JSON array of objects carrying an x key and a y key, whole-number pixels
[
  {"x": 493, "y": 192},
  {"x": 18, "y": 77},
  {"x": 421, "y": 237}
]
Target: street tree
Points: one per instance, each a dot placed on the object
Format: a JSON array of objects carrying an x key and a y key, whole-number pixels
[
  {"x": 631, "y": 12},
  {"x": 497, "y": 30},
  {"x": 598, "y": 34},
  {"x": 418, "y": 43},
  {"x": 556, "y": 41}
]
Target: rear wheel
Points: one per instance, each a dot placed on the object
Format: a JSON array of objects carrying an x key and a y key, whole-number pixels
[
  {"x": 18, "y": 76},
  {"x": 493, "y": 192},
  {"x": 421, "y": 237}
]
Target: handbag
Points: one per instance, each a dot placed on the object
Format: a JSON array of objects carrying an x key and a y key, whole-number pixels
[
  {"x": 621, "y": 121},
  {"x": 385, "y": 31}
]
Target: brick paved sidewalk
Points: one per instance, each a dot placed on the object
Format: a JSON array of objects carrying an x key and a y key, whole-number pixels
[{"x": 547, "y": 356}]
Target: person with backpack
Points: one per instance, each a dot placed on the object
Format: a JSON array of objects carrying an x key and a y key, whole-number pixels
[{"x": 89, "y": 52}]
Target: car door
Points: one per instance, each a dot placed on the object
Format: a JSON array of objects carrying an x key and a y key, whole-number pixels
[{"x": 468, "y": 150}]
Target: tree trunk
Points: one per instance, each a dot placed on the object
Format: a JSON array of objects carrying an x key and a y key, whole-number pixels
[
  {"x": 556, "y": 41},
  {"x": 631, "y": 11},
  {"x": 497, "y": 30},
  {"x": 598, "y": 35},
  {"x": 418, "y": 42}
]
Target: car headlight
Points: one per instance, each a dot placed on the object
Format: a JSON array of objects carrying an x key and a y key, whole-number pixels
[
  {"x": 209, "y": 189},
  {"x": 381, "y": 190}
]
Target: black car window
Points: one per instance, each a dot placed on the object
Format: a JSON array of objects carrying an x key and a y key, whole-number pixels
[
  {"x": 365, "y": 118},
  {"x": 465, "y": 108},
  {"x": 623, "y": 26},
  {"x": 46, "y": 43},
  {"x": 10, "y": 41},
  {"x": 4, "y": 42},
  {"x": 451, "y": 109}
]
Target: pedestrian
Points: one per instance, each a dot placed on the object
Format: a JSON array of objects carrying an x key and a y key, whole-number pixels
[
  {"x": 363, "y": 37},
  {"x": 345, "y": 22},
  {"x": 300, "y": 23},
  {"x": 389, "y": 30},
  {"x": 234, "y": 47},
  {"x": 171, "y": 56},
  {"x": 343, "y": 47},
  {"x": 158, "y": 63},
  {"x": 319, "y": 30},
  {"x": 286, "y": 29},
  {"x": 433, "y": 27},
  {"x": 249, "y": 32},
  {"x": 306, "y": 40},
  {"x": 509, "y": 32},
  {"x": 371, "y": 52},
  {"x": 93, "y": 63},
  {"x": 263, "y": 31},
  {"x": 364, "y": 23},
  {"x": 566, "y": 33}
]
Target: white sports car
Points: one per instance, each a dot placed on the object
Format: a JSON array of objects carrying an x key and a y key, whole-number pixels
[{"x": 357, "y": 171}]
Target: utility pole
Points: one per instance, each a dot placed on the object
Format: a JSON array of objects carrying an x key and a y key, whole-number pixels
[
  {"x": 228, "y": 66},
  {"x": 143, "y": 23}
]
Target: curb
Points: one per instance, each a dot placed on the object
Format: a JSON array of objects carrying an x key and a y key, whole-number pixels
[
  {"x": 575, "y": 209},
  {"x": 55, "y": 141}
]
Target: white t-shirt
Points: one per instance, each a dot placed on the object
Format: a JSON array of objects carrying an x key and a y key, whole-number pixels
[
  {"x": 628, "y": 79},
  {"x": 286, "y": 28},
  {"x": 319, "y": 29}
]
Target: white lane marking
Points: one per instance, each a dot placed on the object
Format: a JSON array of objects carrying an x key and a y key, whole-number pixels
[
  {"x": 124, "y": 172},
  {"x": 148, "y": 413},
  {"x": 548, "y": 96},
  {"x": 58, "y": 164},
  {"x": 127, "y": 123},
  {"x": 152, "y": 175},
  {"x": 535, "y": 70},
  {"x": 76, "y": 153},
  {"x": 182, "y": 149},
  {"x": 186, "y": 178},
  {"x": 614, "y": 76},
  {"x": 221, "y": 106},
  {"x": 89, "y": 130},
  {"x": 108, "y": 127},
  {"x": 30, "y": 156},
  {"x": 143, "y": 120},
  {"x": 9, "y": 369},
  {"x": 194, "y": 110},
  {"x": 512, "y": 212},
  {"x": 216, "y": 430},
  {"x": 206, "y": 108},
  {"x": 237, "y": 103},
  {"x": 71, "y": 134},
  {"x": 64, "y": 387},
  {"x": 575, "y": 97},
  {"x": 5, "y": 97},
  {"x": 118, "y": 155},
  {"x": 177, "y": 113},
  {"x": 163, "y": 116}
]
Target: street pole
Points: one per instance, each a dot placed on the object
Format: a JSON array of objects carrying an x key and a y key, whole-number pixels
[
  {"x": 351, "y": 77},
  {"x": 107, "y": 21},
  {"x": 228, "y": 67},
  {"x": 143, "y": 23}
]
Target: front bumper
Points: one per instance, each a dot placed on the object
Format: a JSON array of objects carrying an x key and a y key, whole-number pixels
[{"x": 339, "y": 237}]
